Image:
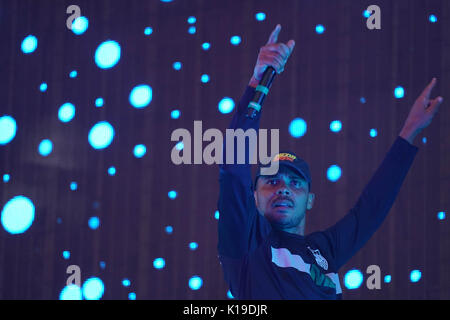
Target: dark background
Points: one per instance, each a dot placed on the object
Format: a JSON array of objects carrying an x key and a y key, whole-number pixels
[{"x": 323, "y": 81}]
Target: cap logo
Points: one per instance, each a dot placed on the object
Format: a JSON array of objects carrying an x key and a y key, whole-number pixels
[{"x": 284, "y": 156}]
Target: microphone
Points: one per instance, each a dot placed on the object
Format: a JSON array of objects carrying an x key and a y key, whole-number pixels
[{"x": 262, "y": 90}]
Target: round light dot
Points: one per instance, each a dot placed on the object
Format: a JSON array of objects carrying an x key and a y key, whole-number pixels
[
  {"x": 177, "y": 65},
  {"x": 8, "y": 129},
  {"x": 169, "y": 229},
  {"x": 195, "y": 282},
  {"x": 45, "y": 147},
  {"x": 139, "y": 150},
  {"x": 235, "y": 40},
  {"x": 175, "y": 114},
  {"x": 148, "y": 31},
  {"x": 93, "y": 288},
  {"x": 320, "y": 29},
  {"x": 17, "y": 215},
  {"x": 297, "y": 127},
  {"x": 172, "y": 194},
  {"x": 159, "y": 263},
  {"x": 260, "y": 16},
  {"x": 101, "y": 135},
  {"x": 415, "y": 275},
  {"x": 353, "y": 279},
  {"x": 29, "y": 44},
  {"x": 43, "y": 87},
  {"x": 94, "y": 223},
  {"x": 206, "y": 46}
]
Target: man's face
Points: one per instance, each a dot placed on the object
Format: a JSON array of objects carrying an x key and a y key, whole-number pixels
[{"x": 283, "y": 199}]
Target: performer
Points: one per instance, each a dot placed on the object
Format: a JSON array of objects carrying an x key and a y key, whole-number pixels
[{"x": 262, "y": 247}]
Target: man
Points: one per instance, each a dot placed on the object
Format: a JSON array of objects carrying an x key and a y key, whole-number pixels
[{"x": 262, "y": 247}]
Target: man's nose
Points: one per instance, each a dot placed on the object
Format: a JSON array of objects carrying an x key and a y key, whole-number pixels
[{"x": 283, "y": 190}]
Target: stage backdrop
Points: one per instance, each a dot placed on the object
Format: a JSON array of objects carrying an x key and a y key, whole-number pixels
[{"x": 87, "y": 114}]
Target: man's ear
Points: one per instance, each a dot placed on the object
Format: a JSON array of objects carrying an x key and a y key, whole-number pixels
[{"x": 310, "y": 203}]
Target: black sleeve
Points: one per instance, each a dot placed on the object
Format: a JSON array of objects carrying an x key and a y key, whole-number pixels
[
  {"x": 240, "y": 228},
  {"x": 353, "y": 231}
]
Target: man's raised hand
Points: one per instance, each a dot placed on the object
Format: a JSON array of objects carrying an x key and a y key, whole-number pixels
[
  {"x": 421, "y": 114},
  {"x": 272, "y": 54}
]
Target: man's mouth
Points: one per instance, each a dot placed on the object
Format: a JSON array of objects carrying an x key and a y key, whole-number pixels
[{"x": 285, "y": 203}]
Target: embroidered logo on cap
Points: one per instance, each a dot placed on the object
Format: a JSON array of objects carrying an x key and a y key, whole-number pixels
[{"x": 284, "y": 156}]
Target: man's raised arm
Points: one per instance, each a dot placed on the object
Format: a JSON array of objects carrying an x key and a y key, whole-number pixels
[
  {"x": 377, "y": 198},
  {"x": 236, "y": 201}
]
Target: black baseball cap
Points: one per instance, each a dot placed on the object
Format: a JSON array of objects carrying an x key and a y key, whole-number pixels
[{"x": 290, "y": 160}]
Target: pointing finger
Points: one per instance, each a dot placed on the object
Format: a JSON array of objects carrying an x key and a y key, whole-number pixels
[
  {"x": 291, "y": 45},
  {"x": 426, "y": 93},
  {"x": 274, "y": 35}
]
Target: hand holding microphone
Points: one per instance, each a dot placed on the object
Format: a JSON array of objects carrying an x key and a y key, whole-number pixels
[{"x": 271, "y": 60}]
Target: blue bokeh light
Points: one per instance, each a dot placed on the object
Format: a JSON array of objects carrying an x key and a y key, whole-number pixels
[
  {"x": 8, "y": 129},
  {"x": 192, "y": 30},
  {"x": 179, "y": 145},
  {"x": 66, "y": 112},
  {"x": 169, "y": 229},
  {"x": 193, "y": 246},
  {"x": 80, "y": 25},
  {"x": 432, "y": 18},
  {"x": 172, "y": 194},
  {"x": 93, "y": 288},
  {"x": 132, "y": 296},
  {"x": 17, "y": 215},
  {"x": 175, "y": 114},
  {"x": 415, "y": 275},
  {"x": 260, "y": 16},
  {"x": 126, "y": 282},
  {"x": 43, "y": 87},
  {"x": 373, "y": 133},
  {"x": 320, "y": 29},
  {"x": 195, "y": 282},
  {"x": 387, "y": 278},
  {"x": 141, "y": 96},
  {"x": 205, "y": 78},
  {"x": 362, "y": 100},
  {"x": 99, "y": 102},
  {"x": 73, "y": 74},
  {"x": 335, "y": 126},
  {"x": 94, "y": 223},
  {"x": 206, "y": 46},
  {"x": 71, "y": 292},
  {"x": 6, "y": 178},
  {"x": 226, "y": 105},
  {"x": 191, "y": 20},
  {"x": 297, "y": 127},
  {"x": 107, "y": 54},
  {"x": 159, "y": 263},
  {"x": 353, "y": 279},
  {"x": 334, "y": 173},
  {"x": 216, "y": 214},
  {"x": 111, "y": 171},
  {"x": 29, "y": 44},
  {"x": 235, "y": 40},
  {"x": 73, "y": 186},
  {"x": 177, "y": 65},
  {"x": 66, "y": 254},
  {"x": 45, "y": 147},
  {"x": 229, "y": 295},
  {"x": 101, "y": 135},
  {"x": 441, "y": 215},
  {"x": 148, "y": 31},
  {"x": 399, "y": 92},
  {"x": 366, "y": 14},
  {"x": 139, "y": 150}
]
